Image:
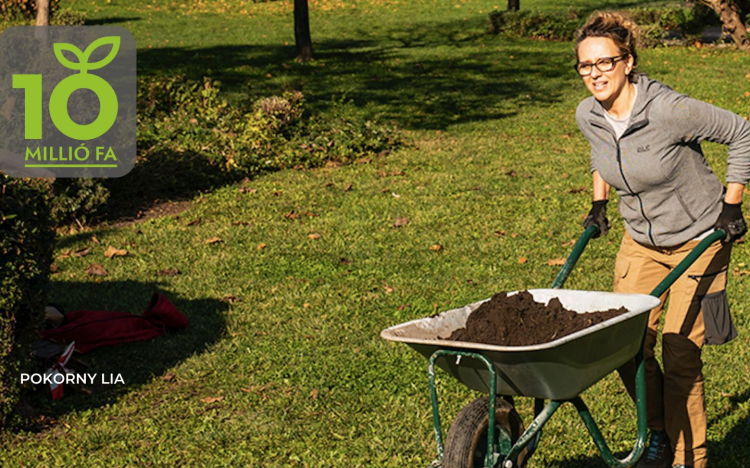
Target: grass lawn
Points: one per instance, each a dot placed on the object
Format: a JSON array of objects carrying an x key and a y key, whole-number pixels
[{"x": 282, "y": 364}]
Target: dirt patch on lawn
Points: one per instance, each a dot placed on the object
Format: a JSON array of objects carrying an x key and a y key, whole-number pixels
[
  {"x": 157, "y": 209},
  {"x": 518, "y": 320}
]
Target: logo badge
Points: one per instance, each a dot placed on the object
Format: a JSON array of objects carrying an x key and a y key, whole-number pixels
[{"x": 67, "y": 101}]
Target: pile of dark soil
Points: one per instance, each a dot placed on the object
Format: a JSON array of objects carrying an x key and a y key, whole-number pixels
[{"x": 519, "y": 321}]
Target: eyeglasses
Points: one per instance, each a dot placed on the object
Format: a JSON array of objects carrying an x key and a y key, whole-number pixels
[{"x": 605, "y": 64}]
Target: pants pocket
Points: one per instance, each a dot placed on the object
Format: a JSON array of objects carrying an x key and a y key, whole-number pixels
[
  {"x": 717, "y": 319},
  {"x": 622, "y": 266}
]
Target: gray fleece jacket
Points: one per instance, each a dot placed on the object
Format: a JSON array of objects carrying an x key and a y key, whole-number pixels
[{"x": 668, "y": 193}]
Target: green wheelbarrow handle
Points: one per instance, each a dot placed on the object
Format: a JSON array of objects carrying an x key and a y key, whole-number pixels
[
  {"x": 574, "y": 256},
  {"x": 687, "y": 261},
  {"x": 570, "y": 262}
]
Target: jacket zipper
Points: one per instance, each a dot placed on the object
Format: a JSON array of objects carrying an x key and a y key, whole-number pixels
[
  {"x": 622, "y": 174},
  {"x": 640, "y": 200}
]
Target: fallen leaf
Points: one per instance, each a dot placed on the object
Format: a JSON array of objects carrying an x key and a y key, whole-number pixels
[
  {"x": 344, "y": 261},
  {"x": 738, "y": 272},
  {"x": 168, "y": 272},
  {"x": 556, "y": 262},
  {"x": 169, "y": 376},
  {"x": 387, "y": 190},
  {"x": 314, "y": 394},
  {"x": 393, "y": 173},
  {"x": 261, "y": 246},
  {"x": 387, "y": 289},
  {"x": 114, "y": 252},
  {"x": 94, "y": 239},
  {"x": 499, "y": 233},
  {"x": 395, "y": 195},
  {"x": 251, "y": 190},
  {"x": 214, "y": 240},
  {"x": 522, "y": 260},
  {"x": 403, "y": 306},
  {"x": 436, "y": 247},
  {"x": 278, "y": 193},
  {"x": 568, "y": 243},
  {"x": 209, "y": 400},
  {"x": 314, "y": 236},
  {"x": 81, "y": 252},
  {"x": 195, "y": 222},
  {"x": 514, "y": 235},
  {"x": 511, "y": 173},
  {"x": 96, "y": 270},
  {"x": 400, "y": 222},
  {"x": 292, "y": 215},
  {"x": 577, "y": 190},
  {"x": 229, "y": 299},
  {"x": 347, "y": 187}
]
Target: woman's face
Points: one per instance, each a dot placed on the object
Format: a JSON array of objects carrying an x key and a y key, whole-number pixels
[{"x": 605, "y": 86}]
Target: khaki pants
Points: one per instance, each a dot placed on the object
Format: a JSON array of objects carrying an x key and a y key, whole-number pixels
[{"x": 675, "y": 398}]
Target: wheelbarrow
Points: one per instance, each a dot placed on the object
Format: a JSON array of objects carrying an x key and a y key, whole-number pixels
[{"x": 488, "y": 432}]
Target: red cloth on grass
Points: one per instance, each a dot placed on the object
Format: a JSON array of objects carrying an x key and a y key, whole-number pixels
[{"x": 91, "y": 329}]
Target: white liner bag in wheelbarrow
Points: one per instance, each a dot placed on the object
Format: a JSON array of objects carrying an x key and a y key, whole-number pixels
[{"x": 557, "y": 370}]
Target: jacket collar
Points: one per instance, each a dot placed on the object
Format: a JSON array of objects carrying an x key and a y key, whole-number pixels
[{"x": 639, "y": 114}]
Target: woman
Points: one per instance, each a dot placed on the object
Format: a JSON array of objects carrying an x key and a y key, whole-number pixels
[{"x": 645, "y": 142}]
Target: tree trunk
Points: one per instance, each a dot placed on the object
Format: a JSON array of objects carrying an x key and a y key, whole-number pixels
[
  {"x": 302, "y": 31},
  {"x": 729, "y": 13},
  {"x": 514, "y": 5},
  {"x": 42, "y": 12}
]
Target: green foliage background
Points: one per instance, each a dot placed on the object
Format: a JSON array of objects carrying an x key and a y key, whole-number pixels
[{"x": 26, "y": 244}]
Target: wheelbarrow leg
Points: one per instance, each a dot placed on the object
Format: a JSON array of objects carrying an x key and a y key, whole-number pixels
[
  {"x": 640, "y": 404},
  {"x": 436, "y": 412}
]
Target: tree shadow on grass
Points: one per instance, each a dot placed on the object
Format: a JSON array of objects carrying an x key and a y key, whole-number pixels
[
  {"x": 138, "y": 362},
  {"x": 109, "y": 21},
  {"x": 423, "y": 76},
  {"x": 162, "y": 175}
]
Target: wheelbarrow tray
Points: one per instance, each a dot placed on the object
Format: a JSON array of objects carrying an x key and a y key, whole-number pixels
[{"x": 558, "y": 370}]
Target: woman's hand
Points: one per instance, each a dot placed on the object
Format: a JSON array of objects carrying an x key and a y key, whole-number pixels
[
  {"x": 731, "y": 221},
  {"x": 598, "y": 217}
]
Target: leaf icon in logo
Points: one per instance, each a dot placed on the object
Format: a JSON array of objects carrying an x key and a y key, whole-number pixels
[
  {"x": 83, "y": 57},
  {"x": 60, "y": 47}
]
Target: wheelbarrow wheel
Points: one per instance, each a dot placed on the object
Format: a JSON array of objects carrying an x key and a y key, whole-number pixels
[{"x": 466, "y": 444}]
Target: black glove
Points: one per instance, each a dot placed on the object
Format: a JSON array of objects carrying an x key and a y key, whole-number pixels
[
  {"x": 731, "y": 221},
  {"x": 598, "y": 217}
]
